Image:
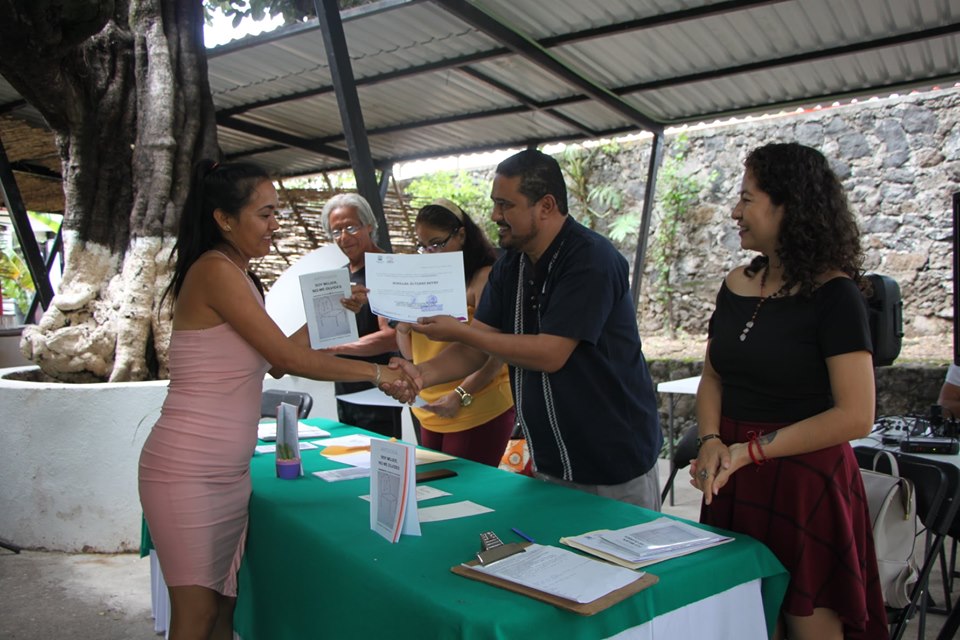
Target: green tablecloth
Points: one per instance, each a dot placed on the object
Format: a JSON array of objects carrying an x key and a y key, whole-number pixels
[{"x": 314, "y": 568}]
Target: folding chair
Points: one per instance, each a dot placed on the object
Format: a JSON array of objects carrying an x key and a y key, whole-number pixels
[
  {"x": 685, "y": 451},
  {"x": 937, "y": 486},
  {"x": 272, "y": 398}
]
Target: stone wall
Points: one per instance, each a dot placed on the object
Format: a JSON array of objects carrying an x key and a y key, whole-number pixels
[{"x": 899, "y": 159}]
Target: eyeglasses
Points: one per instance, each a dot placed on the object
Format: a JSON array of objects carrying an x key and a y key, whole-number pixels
[
  {"x": 433, "y": 247},
  {"x": 352, "y": 230}
]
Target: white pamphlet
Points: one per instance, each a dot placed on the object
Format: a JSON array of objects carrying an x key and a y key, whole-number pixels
[
  {"x": 644, "y": 544},
  {"x": 283, "y": 300},
  {"x": 393, "y": 487},
  {"x": 406, "y": 287},
  {"x": 328, "y": 322}
]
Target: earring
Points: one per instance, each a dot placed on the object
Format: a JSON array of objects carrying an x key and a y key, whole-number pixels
[{"x": 227, "y": 229}]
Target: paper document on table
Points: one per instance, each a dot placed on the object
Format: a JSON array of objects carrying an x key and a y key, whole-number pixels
[
  {"x": 267, "y": 431},
  {"x": 560, "y": 572},
  {"x": 405, "y": 287},
  {"x": 270, "y": 448},
  {"x": 646, "y": 543},
  {"x": 329, "y": 323},
  {"x": 353, "y": 440},
  {"x": 343, "y": 473},
  {"x": 393, "y": 504},
  {"x": 354, "y": 450},
  {"x": 462, "y": 509},
  {"x": 424, "y": 492}
]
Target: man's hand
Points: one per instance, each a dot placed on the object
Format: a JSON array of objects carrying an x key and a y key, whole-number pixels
[
  {"x": 440, "y": 328},
  {"x": 404, "y": 382},
  {"x": 358, "y": 298}
]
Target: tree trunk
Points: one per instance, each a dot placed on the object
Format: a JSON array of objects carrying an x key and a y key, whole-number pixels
[{"x": 124, "y": 87}]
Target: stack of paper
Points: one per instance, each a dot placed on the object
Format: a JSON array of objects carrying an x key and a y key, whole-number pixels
[
  {"x": 559, "y": 572},
  {"x": 645, "y": 544},
  {"x": 267, "y": 431}
]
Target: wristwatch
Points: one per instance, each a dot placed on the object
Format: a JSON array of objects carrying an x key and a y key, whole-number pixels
[{"x": 465, "y": 397}]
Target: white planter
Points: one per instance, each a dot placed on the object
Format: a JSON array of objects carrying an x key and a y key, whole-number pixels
[
  {"x": 69, "y": 454},
  {"x": 68, "y": 462}
]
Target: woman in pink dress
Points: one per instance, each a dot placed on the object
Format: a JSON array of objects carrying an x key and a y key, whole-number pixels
[{"x": 194, "y": 473}]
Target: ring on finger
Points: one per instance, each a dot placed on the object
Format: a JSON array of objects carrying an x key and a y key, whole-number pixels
[{"x": 703, "y": 474}]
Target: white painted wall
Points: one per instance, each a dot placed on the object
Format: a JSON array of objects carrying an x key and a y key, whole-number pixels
[{"x": 69, "y": 453}]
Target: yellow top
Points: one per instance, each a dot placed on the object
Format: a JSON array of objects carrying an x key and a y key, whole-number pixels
[{"x": 488, "y": 403}]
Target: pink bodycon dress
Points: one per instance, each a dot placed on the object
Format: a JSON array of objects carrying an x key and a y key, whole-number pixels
[{"x": 195, "y": 464}]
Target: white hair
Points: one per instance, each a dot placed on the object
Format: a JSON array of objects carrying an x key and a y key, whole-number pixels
[{"x": 354, "y": 200}]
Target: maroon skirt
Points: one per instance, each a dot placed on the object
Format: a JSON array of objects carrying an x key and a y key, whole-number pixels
[{"x": 811, "y": 511}]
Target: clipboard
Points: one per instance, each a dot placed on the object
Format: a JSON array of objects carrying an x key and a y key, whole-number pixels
[{"x": 583, "y": 609}]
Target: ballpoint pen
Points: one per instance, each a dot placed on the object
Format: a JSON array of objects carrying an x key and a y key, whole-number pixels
[{"x": 522, "y": 534}]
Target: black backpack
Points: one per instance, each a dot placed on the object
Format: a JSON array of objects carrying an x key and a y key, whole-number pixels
[{"x": 885, "y": 313}]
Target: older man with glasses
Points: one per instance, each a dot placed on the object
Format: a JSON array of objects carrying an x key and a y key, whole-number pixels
[{"x": 349, "y": 221}]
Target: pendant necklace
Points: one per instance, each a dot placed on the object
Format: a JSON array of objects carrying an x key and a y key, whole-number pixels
[{"x": 763, "y": 281}]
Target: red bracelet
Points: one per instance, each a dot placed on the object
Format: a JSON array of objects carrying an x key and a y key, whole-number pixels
[
  {"x": 763, "y": 456},
  {"x": 750, "y": 444}
]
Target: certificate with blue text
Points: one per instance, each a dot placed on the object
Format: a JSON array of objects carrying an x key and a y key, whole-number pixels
[{"x": 405, "y": 287}]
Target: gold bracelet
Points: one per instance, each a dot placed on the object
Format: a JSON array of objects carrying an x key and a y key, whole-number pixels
[{"x": 376, "y": 381}]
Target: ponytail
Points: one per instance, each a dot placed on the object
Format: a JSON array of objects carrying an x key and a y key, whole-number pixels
[{"x": 213, "y": 185}]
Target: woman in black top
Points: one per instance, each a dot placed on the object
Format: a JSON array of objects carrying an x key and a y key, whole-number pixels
[{"x": 787, "y": 383}]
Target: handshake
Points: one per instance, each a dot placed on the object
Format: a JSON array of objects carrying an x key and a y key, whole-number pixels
[{"x": 402, "y": 380}]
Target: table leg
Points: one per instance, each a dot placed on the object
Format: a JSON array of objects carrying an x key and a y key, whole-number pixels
[{"x": 670, "y": 400}]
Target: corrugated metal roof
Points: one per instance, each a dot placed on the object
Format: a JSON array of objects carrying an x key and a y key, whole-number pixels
[
  {"x": 438, "y": 77},
  {"x": 432, "y": 82}
]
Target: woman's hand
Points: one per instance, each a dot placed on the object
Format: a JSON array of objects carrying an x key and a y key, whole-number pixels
[
  {"x": 739, "y": 457},
  {"x": 712, "y": 459},
  {"x": 447, "y": 406}
]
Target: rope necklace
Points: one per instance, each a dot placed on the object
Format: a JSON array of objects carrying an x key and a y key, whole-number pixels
[{"x": 776, "y": 294}]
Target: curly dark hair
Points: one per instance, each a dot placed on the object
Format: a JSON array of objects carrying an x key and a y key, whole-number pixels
[{"x": 818, "y": 231}]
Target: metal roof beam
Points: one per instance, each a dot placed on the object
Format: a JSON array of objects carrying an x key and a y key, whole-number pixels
[
  {"x": 531, "y": 50},
  {"x": 527, "y": 101},
  {"x": 21, "y": 225},
  {"x": 13, "y": 106},
  {"x": 892, "y": 87},
  {"x": 659, "y": 20},
  {"x": 351, "y": 114},
  {"x": 439, "y": 65},
  {"x": 799, "y": 58},
  {"x": 285, "y": 139},
  {"x": 35, "y": 170}
]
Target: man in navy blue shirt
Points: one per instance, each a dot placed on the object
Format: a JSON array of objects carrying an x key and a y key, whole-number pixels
[{"x": 557, "y": 309}]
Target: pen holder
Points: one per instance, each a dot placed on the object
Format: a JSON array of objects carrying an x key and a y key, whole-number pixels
[{"x": 287, "y": 468}]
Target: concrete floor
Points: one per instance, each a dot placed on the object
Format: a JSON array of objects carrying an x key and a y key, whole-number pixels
[{"x": 47, "y": 595}]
